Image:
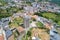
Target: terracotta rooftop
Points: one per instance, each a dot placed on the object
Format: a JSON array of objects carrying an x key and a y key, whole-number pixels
[
  {"x": 34, "y": 16},
  {"x": 1, "y": 37},
  {"x": 11, "y": 37},
  {"x": 20, "y": 29}
]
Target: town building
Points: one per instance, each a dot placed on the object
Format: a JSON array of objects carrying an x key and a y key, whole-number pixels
[
  {"x": 26, "y": 21},
  {"x": 11, "y": 37},
  {"x": 20, "y": 30},
  {"x": 2, "y": 34}
]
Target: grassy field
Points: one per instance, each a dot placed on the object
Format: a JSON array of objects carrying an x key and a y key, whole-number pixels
[{"x": 16, "y": 22}]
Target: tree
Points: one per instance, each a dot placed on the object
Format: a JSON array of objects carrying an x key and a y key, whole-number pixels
[
  {"x": 39, "y": 24},
  {"x": 59, "y": 23},
  {"x": 49, "y": 15},
  {"x": 29, "y": 33}
]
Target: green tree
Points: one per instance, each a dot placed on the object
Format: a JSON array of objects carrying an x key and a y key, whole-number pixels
[
  {"x": 39, "y": 24},
  {"x": 49, "y": 15},
  {"x": 29, "y": 33},
  {"x": 58, "y": 22}
]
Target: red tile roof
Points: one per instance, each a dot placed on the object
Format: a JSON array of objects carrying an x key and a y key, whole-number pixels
[{"x": 1, "y": 37}]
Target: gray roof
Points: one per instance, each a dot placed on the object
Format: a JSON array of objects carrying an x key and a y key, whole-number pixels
[{"x": 8, "y": 33}]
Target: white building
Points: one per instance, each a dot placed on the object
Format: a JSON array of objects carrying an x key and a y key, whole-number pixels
[{"x": 35, "y": 38}]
